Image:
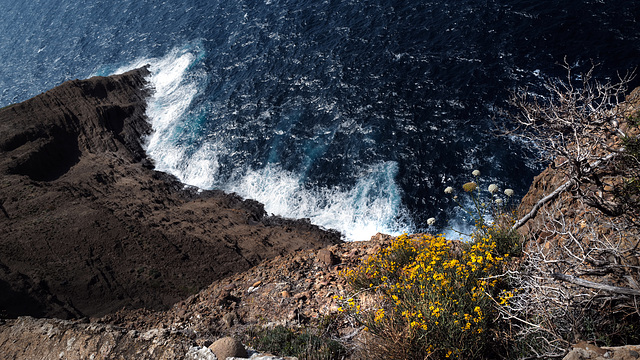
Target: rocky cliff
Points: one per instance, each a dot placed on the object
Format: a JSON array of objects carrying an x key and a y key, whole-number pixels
[{"x": 88, "y": 226}]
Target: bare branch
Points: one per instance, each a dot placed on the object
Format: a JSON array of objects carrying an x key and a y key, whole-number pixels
[
  {"x": 554, "y": 194},
  {"x": 595, "y": 285},
  {"x": 534, "y": 211}
]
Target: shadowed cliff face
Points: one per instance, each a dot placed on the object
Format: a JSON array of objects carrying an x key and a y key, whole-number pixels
[{"x": 89, "y": 227}]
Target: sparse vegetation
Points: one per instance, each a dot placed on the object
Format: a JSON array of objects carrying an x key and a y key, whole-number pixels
[
  {"x": 580, "y": 274},
  {"x": 303, "y": 344}
]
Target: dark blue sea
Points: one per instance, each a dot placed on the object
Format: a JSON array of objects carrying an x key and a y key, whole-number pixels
[{"x": 354, "y": 114}]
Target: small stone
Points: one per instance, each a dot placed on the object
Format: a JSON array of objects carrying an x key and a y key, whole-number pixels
[
  {"x": 228, "y": 347},
  {"x": 327, "y": 258},
  {"x": 285, "y": 294},
  {"x": 292, "y": 315},
  {"x": 229, "y": 287},
  {"x": 229, "y": 319},
  {"x": 224, "y": 297}
]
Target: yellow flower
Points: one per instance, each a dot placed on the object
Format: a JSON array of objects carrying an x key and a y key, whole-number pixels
[
  {"x": 379, "y": 315},
  {"x": 422, "y": 281}
]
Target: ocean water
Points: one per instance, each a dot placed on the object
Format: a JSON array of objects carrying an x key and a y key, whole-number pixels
[{"x": 354, "y": 114}]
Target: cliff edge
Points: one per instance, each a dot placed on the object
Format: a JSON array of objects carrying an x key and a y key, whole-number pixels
[{"x": 88, "y": 227}]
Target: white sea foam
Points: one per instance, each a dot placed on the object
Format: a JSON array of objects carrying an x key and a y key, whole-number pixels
[
  {"x": 202, "y": 168},
  {"x": 173, "y": 92},
  {"x": 172, "y": 97},
  {"x": 373, "y": 204}
]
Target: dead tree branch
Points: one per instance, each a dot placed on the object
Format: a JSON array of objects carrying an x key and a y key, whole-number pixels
[{"x": 595, "y": 285}]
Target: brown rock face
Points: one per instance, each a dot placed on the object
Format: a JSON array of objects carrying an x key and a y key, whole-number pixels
[
  {"x": 88, "y": 227},
  {"x": 295, "y": 290}
]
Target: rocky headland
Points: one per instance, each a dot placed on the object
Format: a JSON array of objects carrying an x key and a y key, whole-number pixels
[{"x": 88, "y": 227}]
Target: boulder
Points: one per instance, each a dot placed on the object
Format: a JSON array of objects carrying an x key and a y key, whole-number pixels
[{"x": 228, "y": 347}]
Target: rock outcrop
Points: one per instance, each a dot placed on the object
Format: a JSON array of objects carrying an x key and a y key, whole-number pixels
[
  {"x": 296, "y": 290},
  {"x": 30, "y": 338},
  {"x": 88, "y": 227}
]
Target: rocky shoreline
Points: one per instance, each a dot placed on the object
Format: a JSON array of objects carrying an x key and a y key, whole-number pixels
[{"x": 89, "y": 227}]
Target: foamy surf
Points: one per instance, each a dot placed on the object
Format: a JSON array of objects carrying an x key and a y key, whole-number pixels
[
  {"x": 373, "y": 204},
  {"x": 174, "y": 86}
]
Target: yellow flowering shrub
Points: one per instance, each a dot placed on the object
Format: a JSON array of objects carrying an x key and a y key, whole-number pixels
[{"x": 438, "y": 299}]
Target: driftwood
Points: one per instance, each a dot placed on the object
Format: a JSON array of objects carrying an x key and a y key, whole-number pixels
[{"x": 595, "y": 285}]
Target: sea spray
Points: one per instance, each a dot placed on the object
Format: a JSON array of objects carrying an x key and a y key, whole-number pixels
[{"x": 363, "y": 107}]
